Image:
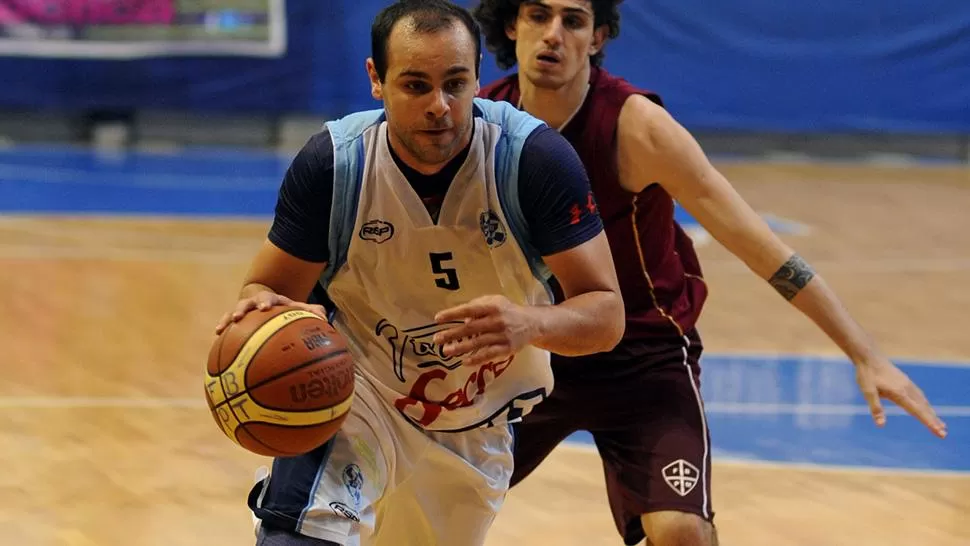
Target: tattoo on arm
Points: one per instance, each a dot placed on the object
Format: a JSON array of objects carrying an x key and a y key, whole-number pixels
[{"x": 792, "y": 277}]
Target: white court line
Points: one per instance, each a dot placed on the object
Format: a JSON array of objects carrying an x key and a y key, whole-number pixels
[
  {"x": 583, "y": 447},
  {"x": 796, "y": 358},
  {"x": 715, "y": 408},
  {"x": 741, "y": 408}
]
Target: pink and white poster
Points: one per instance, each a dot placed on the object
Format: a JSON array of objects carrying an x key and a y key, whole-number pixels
[{"x": 121, "y": 29}]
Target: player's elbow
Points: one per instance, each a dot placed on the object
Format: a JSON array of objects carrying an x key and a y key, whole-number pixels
[
  {"x": 614, "y": 321},
  {"x": 607, "y": 325}
]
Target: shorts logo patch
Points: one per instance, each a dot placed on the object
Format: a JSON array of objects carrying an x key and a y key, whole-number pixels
[
  {"x": 345, "y": 511},
  {"x": 681, "y": 476}
]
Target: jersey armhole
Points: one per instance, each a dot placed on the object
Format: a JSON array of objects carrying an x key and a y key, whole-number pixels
[
  {"x": 508, "y": 155},
  {"x": 348, "y": 170}
]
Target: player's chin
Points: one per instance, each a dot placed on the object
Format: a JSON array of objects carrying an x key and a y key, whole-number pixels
[{"x": 547, "y": 79}]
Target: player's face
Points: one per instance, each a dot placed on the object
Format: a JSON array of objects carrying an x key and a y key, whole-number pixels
[
  {"x": 554, "y": 40},
  {"x": 427, "y": 93}
]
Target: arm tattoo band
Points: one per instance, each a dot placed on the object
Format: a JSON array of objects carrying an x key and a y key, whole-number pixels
[{"x": 792, "y": 277}]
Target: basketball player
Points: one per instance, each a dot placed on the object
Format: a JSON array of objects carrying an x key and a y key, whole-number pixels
[
  {"x": 430, "y": 224},
  {"x": 648, "y": 420}
]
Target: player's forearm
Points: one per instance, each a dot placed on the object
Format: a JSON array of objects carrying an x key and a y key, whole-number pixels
[
  {"x": 798, "y": 283},
  {"x": 584, "y": 324}
]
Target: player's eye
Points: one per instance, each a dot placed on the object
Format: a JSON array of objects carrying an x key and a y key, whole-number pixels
[
  {"x": 455, "y": 86},
  {"x": 417, "y": 87},
  {"x": 573, "y": 22},
  {"x": 538, "y": 16}
]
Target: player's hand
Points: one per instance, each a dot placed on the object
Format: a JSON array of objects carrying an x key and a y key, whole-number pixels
[
  {"x": 263, "y": 301},
  {"x": 879, "y": 378},
  {"x": 486, "y": 329}
]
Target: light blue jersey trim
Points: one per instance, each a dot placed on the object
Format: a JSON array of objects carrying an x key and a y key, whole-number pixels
[
  {"x": 516, "y": 127},
  {"x": 348, "y": 173}
]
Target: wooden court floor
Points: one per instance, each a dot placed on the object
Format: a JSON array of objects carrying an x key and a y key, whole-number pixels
[{"x": 106, "y": 323}]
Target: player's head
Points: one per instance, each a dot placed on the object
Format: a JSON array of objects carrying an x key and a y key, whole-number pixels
[
  {"x": 551, "y": 40},
  {"x": 424, "y": 66}
]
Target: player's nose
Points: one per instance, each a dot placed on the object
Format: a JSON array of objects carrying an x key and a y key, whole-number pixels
[
  {"x": 438, "y": 107},
  {"x": 552, "y": 36}
]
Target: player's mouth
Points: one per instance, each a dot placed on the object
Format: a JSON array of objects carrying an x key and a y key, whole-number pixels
[
  {"x": 437, "y": 134},
  {"x": 548, "y": 59}
]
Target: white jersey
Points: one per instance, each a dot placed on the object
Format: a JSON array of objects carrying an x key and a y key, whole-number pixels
[{"x": 396, "y": 267}]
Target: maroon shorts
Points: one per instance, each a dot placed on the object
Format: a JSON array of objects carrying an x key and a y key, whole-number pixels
[{"x": 647, "y": 420}]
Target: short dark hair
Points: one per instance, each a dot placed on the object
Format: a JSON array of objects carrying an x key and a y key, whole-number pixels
[
  {"x": 495, "y": 15},
  {"x": 429, "y": 16}
]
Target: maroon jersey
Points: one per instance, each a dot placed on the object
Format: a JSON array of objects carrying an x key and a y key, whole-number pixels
[{"x": 657, "y": 267}]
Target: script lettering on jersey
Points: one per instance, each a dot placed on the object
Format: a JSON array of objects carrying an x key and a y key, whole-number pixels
[
  {"x": 462, "y": 397},
  {"x": 415, "y": 345}
]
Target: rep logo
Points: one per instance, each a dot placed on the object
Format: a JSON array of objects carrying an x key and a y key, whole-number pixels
[{"x": 377, "y": 231}]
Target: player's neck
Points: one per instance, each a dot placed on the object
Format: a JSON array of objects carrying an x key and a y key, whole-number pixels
[{"x": 557, "y": 106}]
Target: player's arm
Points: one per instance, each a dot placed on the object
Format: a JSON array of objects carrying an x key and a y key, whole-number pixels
[
  {"x": 653, "y": 147},
  {"x": 295, "y": 253},
  {"x": 566, "y": 229},
  {"x": 591, "y": 319}
]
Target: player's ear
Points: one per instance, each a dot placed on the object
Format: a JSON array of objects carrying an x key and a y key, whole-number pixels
[
  {"x": 376, "y": 89},
  {"x": 510, "y": 30},
  {"x": 599, "y": 39}
]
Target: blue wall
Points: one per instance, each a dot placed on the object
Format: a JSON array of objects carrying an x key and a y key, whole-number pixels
[{"x": 827, "y": 65}]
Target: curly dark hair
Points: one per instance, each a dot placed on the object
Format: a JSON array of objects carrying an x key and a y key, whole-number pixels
[{"x": 495, "y": 15}]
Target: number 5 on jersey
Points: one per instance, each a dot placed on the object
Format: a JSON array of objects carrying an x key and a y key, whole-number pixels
[{"x": 450, "y": 279}]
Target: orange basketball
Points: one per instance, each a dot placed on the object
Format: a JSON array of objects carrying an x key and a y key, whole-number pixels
[{"x": 279, "y": 382}]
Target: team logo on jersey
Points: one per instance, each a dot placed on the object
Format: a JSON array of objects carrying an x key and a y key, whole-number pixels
[
  {"x": 377, "y": 231},
  {"x": 425, "y": 402},
  {"x": 354, "y": 481},
  {"x": 416, "y": 342},
  {"x": 681, "y": 476},
  {"x": 492, "y": 229}
]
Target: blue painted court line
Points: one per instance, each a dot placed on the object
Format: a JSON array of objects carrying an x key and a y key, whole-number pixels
[
  {"x": 808, "y": 410},
  {"x": 70, "y": 180}
]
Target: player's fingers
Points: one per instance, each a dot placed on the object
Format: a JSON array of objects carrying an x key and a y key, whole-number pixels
[
  {"x": 465, "y": 330},
  {"x": 243, "y": 306},
  {"x": 223, "y": 323},
  {"x": 471, "y": 344},
  {"x": 875, "y": 405},
  {"x": 490, "y": 353},
  {"x": 479, "y": 307},
  {"x": 318, "y": 310},
  {"x": 916, "y": 404},
  {"x": 266, "y": 300}
]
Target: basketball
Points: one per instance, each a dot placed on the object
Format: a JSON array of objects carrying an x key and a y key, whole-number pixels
[{"x": 279, "y": 382}]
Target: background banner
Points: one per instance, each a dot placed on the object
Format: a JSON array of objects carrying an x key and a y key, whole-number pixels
[{"x": 126, "y": 29}]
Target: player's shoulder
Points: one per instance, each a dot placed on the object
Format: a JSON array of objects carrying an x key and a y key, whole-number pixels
[
  {"x": 508, "y": 118},
  {"x": 611, "y": 87},
  {"x": 501, "y": 89},
  {"x": 352, "y": 126}
]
